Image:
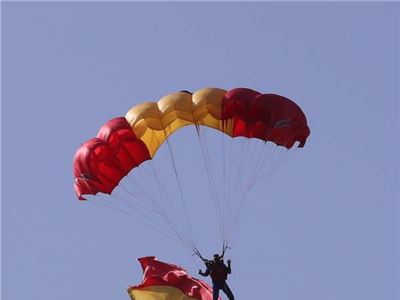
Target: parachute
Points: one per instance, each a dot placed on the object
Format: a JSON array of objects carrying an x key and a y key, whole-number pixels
[
  {"x": 163, "y": 281},
  {"x": 125, "y": 145}
]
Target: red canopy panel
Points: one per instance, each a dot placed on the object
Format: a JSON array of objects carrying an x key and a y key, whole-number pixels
[
  {"x": 101, "y": 162},
  {"x": 268, "y": 117}
]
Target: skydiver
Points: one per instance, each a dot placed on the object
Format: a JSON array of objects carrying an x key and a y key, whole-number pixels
[{"x": 218, "y": 272}]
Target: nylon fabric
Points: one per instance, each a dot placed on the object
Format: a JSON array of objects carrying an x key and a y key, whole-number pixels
[
  {"x": 164, "y": 281},
  {"x": 154, "y": 122}
]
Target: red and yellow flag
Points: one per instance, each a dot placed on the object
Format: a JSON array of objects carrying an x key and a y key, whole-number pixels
[{"x": 163, "y": 281}]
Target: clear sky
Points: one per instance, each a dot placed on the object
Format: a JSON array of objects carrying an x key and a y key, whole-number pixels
[{"x": 325, "y": 226}]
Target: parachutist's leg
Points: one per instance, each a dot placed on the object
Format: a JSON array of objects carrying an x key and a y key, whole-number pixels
[
  {"x": 215, "y": 290},
  {"x": 228, "y": 292}
]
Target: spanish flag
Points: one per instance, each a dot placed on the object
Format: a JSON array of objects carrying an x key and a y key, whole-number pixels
[{"x": 163, "y": 281}]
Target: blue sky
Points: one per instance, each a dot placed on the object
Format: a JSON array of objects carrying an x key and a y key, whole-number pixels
[{"x": 324, "y": 226}]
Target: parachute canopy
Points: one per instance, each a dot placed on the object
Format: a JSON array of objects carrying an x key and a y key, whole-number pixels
[
  {"x": 124, "y": 143},
  {"x": 163, "y": 281}
]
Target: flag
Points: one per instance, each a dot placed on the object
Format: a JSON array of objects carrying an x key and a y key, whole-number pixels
[{"x": 163, "y": 281}]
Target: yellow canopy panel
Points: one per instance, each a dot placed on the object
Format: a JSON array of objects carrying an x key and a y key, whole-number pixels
[
  {"x": 158, "y": 293},
  {"x": 154, "y": 122}
]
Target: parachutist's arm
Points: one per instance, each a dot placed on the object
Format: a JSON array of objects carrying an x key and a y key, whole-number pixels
[
  {"x": 205, "y": 274},
  {"x": 229, "y": 266}
]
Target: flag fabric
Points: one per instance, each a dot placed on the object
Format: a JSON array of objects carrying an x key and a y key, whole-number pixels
[{"x": 163, "y": 281}]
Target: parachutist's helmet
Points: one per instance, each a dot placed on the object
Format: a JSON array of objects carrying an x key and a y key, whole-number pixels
[{"x": 217, "y": 257}]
